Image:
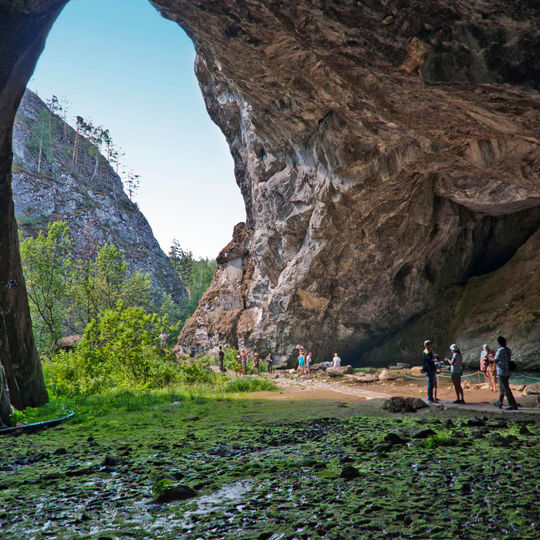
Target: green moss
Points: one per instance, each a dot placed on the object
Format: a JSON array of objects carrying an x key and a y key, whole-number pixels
[{"x": 282, "y": 459}]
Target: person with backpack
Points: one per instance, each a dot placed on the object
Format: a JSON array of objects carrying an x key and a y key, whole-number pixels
[
  {"x": 503, "y": 360},
  {"x": 430, "y": 369}
]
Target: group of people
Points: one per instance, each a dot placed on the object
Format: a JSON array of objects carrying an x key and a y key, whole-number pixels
[
  {"x": 244, "y": 359},
  {"x": 492, "y": 363},
  {"x": 306, "y": 361}
]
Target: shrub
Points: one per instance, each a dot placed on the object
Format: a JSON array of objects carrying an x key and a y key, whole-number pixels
[
  {"x": 249, "y": 384},
  {"x": 119, "y": 349}
]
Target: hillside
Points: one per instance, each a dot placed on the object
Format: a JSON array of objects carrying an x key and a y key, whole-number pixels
[{"x": 54, "y": 186}]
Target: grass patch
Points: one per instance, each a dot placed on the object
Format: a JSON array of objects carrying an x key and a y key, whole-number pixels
[{"x": 249, "y": 384}]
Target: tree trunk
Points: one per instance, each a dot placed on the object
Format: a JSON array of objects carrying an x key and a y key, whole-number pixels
[
  {"x": 17, "y": 347},
  {"x": 5, "y": 403}
]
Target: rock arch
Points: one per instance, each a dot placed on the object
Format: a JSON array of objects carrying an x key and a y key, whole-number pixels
[{"x": 379, "y": 148}]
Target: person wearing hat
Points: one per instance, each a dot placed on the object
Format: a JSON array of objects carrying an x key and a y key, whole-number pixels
[
  {"x": 430, "y": 369},
  {"x": 456, "y": 370}
]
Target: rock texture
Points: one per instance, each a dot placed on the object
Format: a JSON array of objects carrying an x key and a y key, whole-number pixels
[
  {"x": 389, "y": 157},
  {"x": 92, "y": 200},
  {"x": 387, "y": 152}
]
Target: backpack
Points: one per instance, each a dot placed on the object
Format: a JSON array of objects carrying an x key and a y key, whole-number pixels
[{"x": 512, "y": 366}]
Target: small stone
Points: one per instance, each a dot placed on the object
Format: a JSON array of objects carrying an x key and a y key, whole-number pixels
[
  {"x": 394, "y": 438},
  {"x": 111, "y": 460},
  {"x": 60, "y": 452},
  {"x": 349, "y": 472}
]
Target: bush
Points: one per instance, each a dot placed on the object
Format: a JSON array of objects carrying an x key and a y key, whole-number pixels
[
  {"x": 249, "y": 384},
  {"x": 119, "y": 349}
]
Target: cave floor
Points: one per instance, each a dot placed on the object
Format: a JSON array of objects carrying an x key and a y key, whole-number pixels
[{"x": 274, "y": 469}]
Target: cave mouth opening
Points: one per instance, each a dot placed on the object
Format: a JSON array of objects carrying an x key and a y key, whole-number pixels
[{"x": 126, "y": 68}]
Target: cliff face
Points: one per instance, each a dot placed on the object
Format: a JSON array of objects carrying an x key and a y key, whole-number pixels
[
  {"x": 91, "y": 199},
  {"x": 388, "y": 155}
]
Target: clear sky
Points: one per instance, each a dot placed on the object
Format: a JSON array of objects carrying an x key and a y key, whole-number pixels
[{"x": 122, "y": 65}]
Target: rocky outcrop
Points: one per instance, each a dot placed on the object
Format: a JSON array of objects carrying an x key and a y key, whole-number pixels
[
  {"x": 47, "y": 186},
  {"x": 387, "y": 152}
]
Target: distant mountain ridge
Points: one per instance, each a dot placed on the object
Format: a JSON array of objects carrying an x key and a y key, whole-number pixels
[{"x": 49, "y": 186}]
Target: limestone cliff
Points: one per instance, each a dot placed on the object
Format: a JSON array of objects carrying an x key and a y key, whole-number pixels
[
  {"x": 91, "y": 199},
  {"x": 388, "y": 155}
]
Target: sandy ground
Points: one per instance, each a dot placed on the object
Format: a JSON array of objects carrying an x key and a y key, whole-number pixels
[{"x": 477, "y": 396}]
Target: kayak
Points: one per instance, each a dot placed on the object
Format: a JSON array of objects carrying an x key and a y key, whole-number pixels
[{"x": 32, "y": 428}]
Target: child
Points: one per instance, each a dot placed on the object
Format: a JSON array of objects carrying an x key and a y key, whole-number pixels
[{"x": 308, "y": 363}]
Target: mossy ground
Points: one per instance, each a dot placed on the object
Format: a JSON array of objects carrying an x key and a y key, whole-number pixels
[{"x": 269, "y": 469}]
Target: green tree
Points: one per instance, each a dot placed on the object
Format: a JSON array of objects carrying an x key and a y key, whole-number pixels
[
  {"x": 202, "y": 272},
  {"x": 40, "y": 139},
  {"x": 119, "y": 348},
  {"x": 99, "y": 283},
  {"x": 47, "y": 265},
  {"x": 181, "y": 260}
]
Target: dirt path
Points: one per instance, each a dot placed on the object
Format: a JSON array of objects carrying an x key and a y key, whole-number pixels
[{"x": 477, "y": 397}]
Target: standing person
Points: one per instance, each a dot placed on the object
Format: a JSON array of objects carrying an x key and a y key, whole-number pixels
[
  {"x": 163, "y": 339},
  {"x": 492, "y": 371},
  {"x": 487, "y": 366},
  {"x": 336, "y": 360},
  {"x": 309, "y": 360},
  {"x": 502, "y": 361},
  {"x": 221, "y": 357},
  {"x": 269, "y": 362},
  {"x": 244, "y": 360},
  {"x": 456, "y": 370},
  {"x": 429, "y": 368},
  {"x": 257, "y": 363},
  {"x": 301, "y": 361}
]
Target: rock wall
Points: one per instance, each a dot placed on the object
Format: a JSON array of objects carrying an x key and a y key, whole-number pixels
[
  {"x": 92, "y": 200},
  {"x": 387, "y": 152}
]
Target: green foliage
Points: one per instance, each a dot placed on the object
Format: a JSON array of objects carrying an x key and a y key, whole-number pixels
[
  {"x": 197, "y": 372},
  {"x": 196, "y": 275},
  {"x": 119, "y": 349},
  {"x": 249, "y": 384},
  {"x": 442, "y": 438},
  {"x": 47, "y": 266},
  {"x": 39, "y": 141}
]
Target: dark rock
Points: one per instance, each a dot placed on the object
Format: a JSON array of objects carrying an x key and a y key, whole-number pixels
[
  {"x": 475, "y": 422},
  {"x": 348, "y": 472},
  {"x": 395, "y": 438},
  {"x": 397, "y": 404},
  {"x": 176, "y": 493},
  {"x": 111, "y": 460},
  {"x": 421, "y": 433},
  {"x": 60, "y": 452}
]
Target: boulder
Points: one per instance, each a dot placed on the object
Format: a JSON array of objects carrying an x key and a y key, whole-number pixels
[
  {"x": 349, "y": 472},
  {"x": 176, "y": 493},
  {"x": 397, "y": 404},
  {"x": 533, "y": 388}
]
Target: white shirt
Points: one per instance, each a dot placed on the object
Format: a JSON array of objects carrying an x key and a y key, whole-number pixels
[{"x": 336, "y": 361}]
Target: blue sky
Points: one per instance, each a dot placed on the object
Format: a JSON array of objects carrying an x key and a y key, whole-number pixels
[{"x": 122, "y": 65}]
